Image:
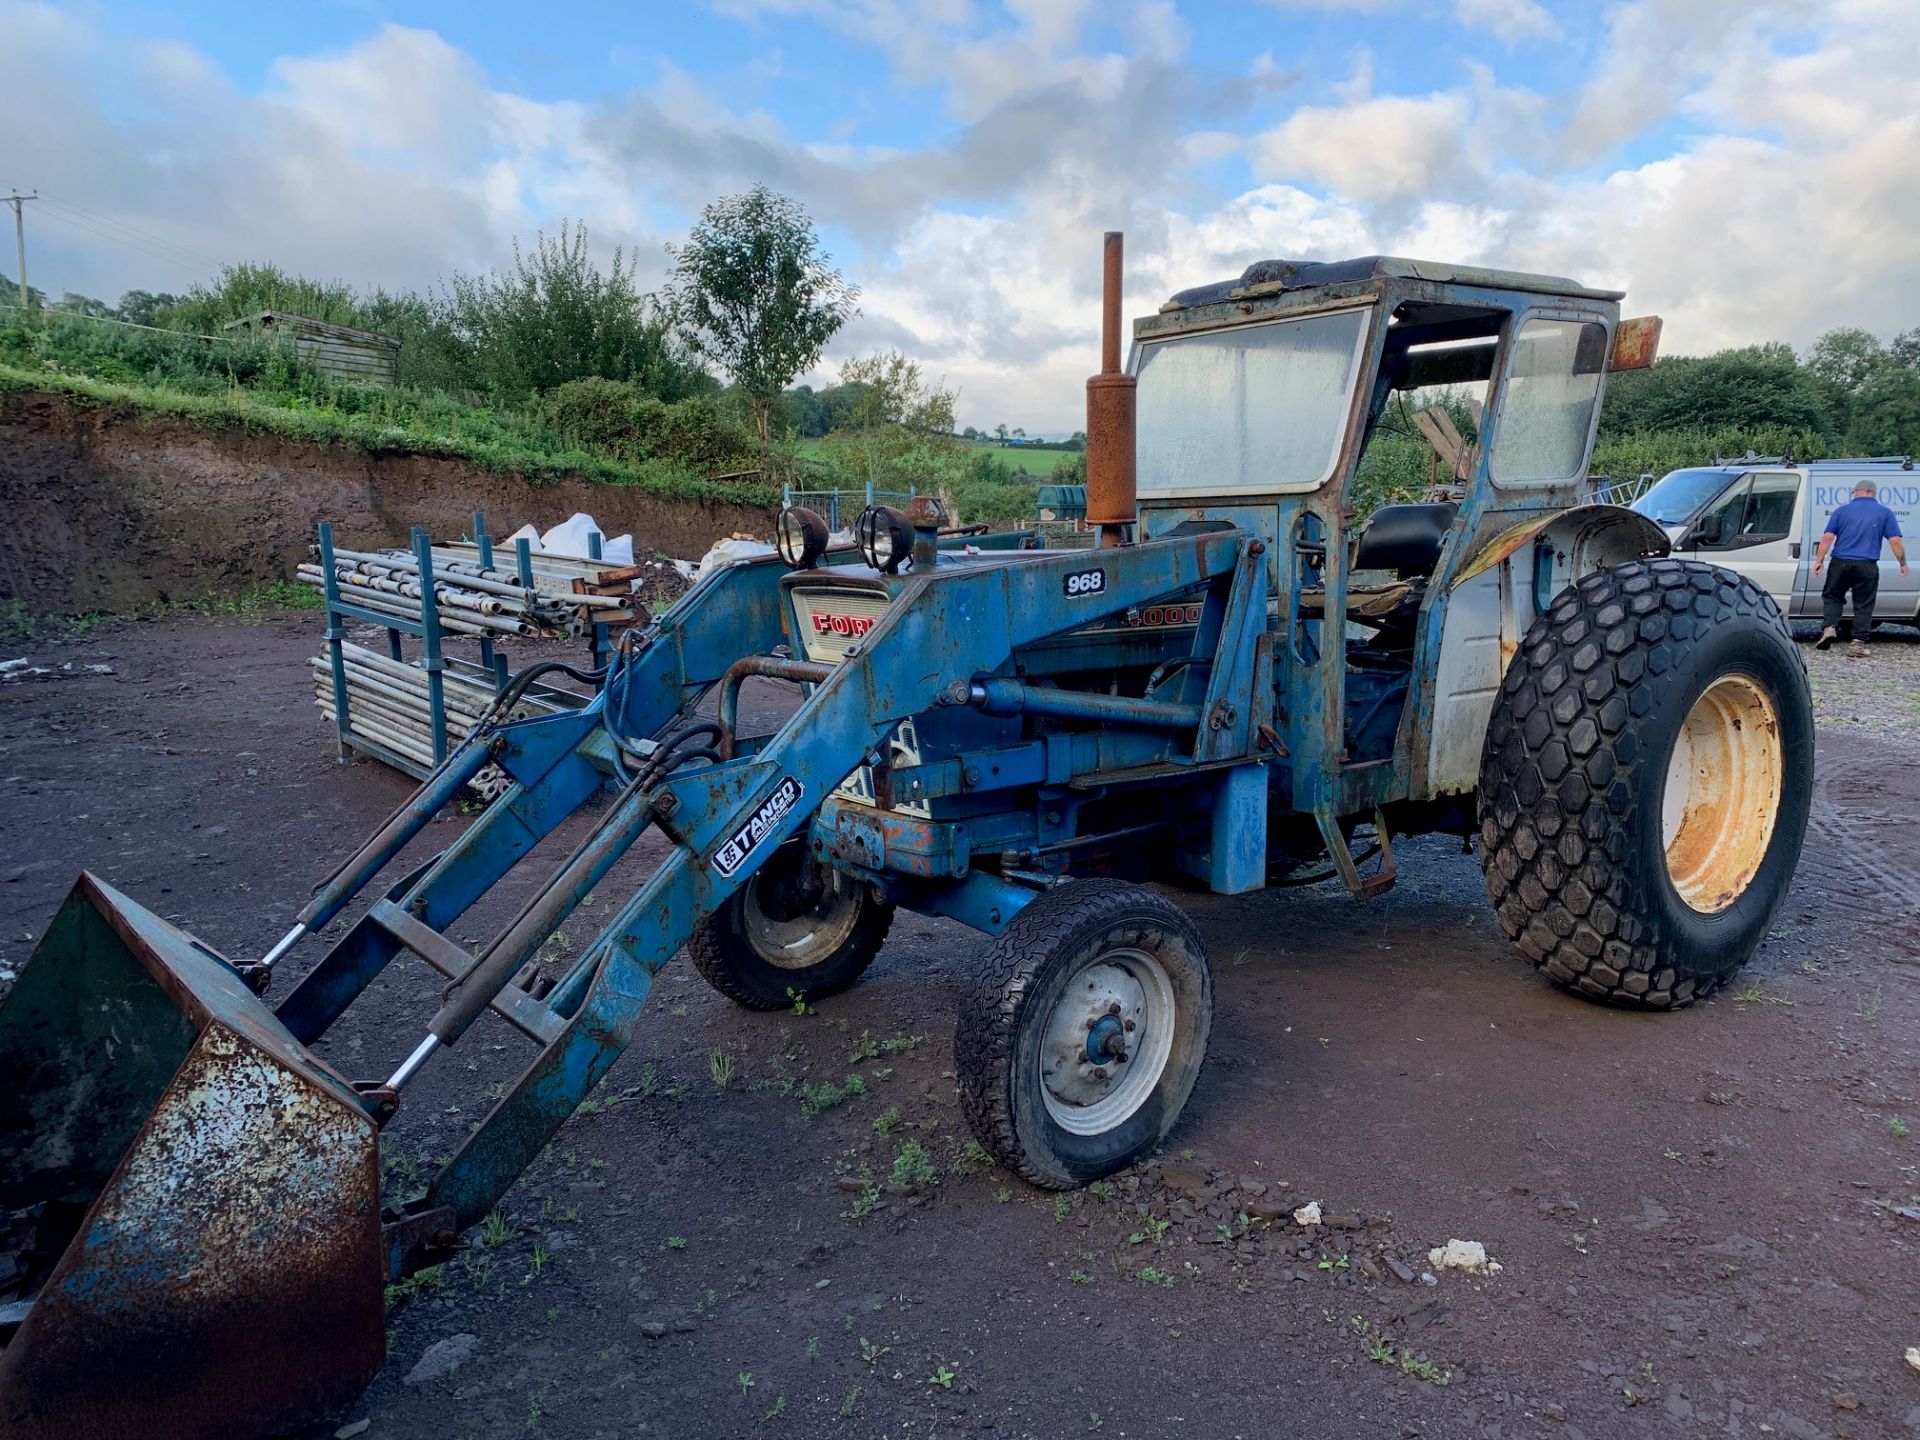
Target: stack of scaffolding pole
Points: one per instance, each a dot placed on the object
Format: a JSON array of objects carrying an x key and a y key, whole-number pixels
[
  {"x": 471, "y": 601},
  {"x": 387, "y": 702}
]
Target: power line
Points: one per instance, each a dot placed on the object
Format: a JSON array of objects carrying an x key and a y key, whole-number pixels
[
  {"x": 106, "y": 227},
  {"x": 186, "y": 252},
  {"x": 193, "y": 267}
]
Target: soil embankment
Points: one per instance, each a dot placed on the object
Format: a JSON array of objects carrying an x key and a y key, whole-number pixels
[{"x": 107, "y": 511}]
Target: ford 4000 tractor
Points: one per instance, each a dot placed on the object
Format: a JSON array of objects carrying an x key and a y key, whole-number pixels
[{"x": 1244, "y": 683}]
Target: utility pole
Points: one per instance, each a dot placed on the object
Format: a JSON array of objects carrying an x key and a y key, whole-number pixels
[{"x": 19, "y": 201}]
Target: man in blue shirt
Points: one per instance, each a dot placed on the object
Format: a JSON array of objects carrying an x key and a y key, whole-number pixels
[{"x": 1854, "y": 533}]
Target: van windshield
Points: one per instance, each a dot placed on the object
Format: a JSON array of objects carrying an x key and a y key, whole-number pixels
[{"x": 1676, "y": 498}]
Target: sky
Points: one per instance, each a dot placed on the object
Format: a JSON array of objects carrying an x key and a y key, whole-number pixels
[{"x": 1748, "y": 169}]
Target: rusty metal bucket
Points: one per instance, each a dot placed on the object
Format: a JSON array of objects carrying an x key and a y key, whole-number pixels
[{"x": 189, "y": 1201}]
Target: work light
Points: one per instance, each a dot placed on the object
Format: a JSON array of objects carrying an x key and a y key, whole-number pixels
[
  {"x": 800, "y": 536},
  {"x": 885, "y": 536}
]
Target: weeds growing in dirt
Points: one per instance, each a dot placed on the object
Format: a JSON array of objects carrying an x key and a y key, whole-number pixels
[
  {"x": 720, "y": 1066},
  {"x": 496, "y": 1230},
  {"x": 944, "y": 1376},
  {"x": 779, "y": 1409},
  {"x": 912, "y": 1166},
  {"x": 676, "y": 1242},
  {"x": 824, "y": 1096},
  {"x": 871, "y": 1352},
  {"x": 421, "y": 1282},
  {"x": 1062, "y": 1208},
  {"x": 745, "y": 1381},
  {"x": 1898, "y": 1127},
  {"x": 884, "y": 1124},
  {"x": 850, "y": 1404},
  {"x": 1149, "y": 1275}
]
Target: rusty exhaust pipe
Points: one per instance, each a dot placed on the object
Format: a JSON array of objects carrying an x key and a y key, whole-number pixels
[{"x": 1110, "y": 480}]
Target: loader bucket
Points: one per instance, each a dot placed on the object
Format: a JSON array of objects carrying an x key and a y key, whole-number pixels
[{"x": 189, "y": 1201}]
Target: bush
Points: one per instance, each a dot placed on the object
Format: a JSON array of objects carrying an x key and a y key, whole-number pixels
[{"x": 619, "y": 418}]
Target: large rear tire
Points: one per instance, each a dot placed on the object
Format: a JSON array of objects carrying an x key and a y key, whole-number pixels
[
  {"x": 1646, "y": 781},
  {"x": 1083, "y": 1032},
  {"x": 795, "y": 931}
]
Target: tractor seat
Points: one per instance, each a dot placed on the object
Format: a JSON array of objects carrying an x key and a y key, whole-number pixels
[
  {"x": 1404, "y": 538},
  {"x": 1371, "y": 602}
]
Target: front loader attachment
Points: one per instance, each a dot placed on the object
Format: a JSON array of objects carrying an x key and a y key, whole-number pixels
[{"x": 194, "y": 1200}]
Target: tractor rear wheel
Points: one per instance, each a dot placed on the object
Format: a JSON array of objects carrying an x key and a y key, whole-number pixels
[
  {"x": 796, "y": 930},
  {"x": 1083, "y": 1032},
  {"x": 1646, "y": 781}
]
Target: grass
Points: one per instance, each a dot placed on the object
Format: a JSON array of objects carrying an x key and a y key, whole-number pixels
[
  {"x": 912, "y": 1166},
  {"x": 394, "y": 422},
  {"x": 826, "y": 1095},
  {"x": 17, "y": 622}
]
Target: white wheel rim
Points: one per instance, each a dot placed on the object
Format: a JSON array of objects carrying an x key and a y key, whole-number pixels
[
  {"x": 809, "y": 938},
  {"x": 1724, "y": 783},
  {"x": 1121, "y": 1005}
]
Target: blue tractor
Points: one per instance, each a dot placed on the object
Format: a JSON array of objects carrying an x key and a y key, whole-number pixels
[{"x": 1243, "y": 684}]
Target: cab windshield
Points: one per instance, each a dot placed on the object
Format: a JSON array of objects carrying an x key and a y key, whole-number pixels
[
  {"x": 1250, "y": 410},
  {"x": 1679, "y": 496}
]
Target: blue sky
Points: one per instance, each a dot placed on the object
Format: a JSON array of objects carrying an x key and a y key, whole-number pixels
[{"x": 1748, "y": 168}]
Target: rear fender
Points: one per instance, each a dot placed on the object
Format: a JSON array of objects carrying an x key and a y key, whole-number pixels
[{"x": 1489, "y": 607}]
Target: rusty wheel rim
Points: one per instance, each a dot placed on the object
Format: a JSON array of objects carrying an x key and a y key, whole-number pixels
[{"x": 1724, "y": 783}]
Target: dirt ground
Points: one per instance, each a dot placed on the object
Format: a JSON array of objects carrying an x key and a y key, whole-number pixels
[{"x": 1708, "y": 1222}]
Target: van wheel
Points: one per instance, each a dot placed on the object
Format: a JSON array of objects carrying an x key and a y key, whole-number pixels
[
  {"x": 796, "y": 930},
  {"x": 1646, "y": 781},
  {"x": 1083, "y": 1032}
]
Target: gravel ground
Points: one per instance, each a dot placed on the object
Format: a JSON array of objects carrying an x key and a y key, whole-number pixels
[
  {"x": 1704, "y": 1220},
  {"x": 1878, "y": 695}
]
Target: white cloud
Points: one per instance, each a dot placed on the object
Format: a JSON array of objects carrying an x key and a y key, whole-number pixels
[
  {"x": 1511, "y": 20},
  {"x": 1389, "y": 148},
  {"x": 1783, "y": 199}
]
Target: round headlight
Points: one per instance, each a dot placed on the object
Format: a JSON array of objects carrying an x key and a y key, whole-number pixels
[
  {"x": 800, "y": 536},
  {"x": 885, "y": 536}
]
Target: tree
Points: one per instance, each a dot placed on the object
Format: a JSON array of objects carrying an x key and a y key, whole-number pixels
[
  {"x": 143, "y": 307},
  {"x": 1018, "y": 431},
  {"x": 1841, "y": 362},
  {"x": 1761, "y": 385},
  {"x": 970, "y": 433},
  {"x": 1904, "y": 349},
  {"x": 1001, "y": 431},
  {"x": 755, "y": 294},
  {"x": 554, "y": 316},
  {"x": 1886, "y": 413},
  {"x": 899, "y": 430}
]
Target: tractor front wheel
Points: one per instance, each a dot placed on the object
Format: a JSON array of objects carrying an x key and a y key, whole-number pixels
[
  {"x": 1646, "y": 782},
  {"x": 1083, "y": 1032},
  {"x": 795, "y": 931}
]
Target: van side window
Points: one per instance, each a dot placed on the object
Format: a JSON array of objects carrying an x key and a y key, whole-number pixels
[{"x": 1755, "y": 511}]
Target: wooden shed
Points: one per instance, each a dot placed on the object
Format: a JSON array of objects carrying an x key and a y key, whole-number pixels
[{"x": 337, "y": 350}]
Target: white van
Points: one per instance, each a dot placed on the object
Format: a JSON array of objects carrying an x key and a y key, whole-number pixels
[{"x": 1764, "y": 517}]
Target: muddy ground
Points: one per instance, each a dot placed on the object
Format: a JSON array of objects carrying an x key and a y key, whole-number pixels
[{"x": 1696, "y": 1213}]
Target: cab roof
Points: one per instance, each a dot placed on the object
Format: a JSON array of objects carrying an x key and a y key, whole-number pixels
[{"x": 1271, "y": 277}]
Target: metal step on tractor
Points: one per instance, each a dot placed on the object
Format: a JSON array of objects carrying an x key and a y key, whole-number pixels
[{"x": 1240, "y": 686}]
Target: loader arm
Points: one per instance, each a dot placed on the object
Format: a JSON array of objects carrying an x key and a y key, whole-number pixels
[{"x": 283, "y": 1149}]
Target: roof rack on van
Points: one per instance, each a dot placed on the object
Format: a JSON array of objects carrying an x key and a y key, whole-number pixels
[{"x": 1905, "y": 462}]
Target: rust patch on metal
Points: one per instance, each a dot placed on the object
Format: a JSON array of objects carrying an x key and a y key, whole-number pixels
[
  {"x": 1636, "y": 343},
  {"x": 228, "y": 1281}
]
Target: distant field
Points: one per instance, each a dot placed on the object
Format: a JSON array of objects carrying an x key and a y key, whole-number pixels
[
  {"x": 1034, "y": 462},
  {"x": 1038, "y": 463}
]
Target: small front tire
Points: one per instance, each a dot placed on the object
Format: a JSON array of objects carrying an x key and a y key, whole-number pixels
[
  {"x": 795, "y": 931},
  {"x": 1083, "y": 1032}
]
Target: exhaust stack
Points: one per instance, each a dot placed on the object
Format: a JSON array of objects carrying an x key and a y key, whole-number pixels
[{"x": 1110, "y": 394}]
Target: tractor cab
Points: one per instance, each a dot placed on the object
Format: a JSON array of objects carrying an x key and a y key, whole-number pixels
[{"x": 1263, "y": 403}]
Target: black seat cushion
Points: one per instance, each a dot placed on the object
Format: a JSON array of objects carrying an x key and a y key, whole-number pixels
[{"x": 1405, "y": 538}]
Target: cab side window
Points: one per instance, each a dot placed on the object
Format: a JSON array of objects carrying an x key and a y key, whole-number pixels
[{"x": 1758, "y": 509}]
